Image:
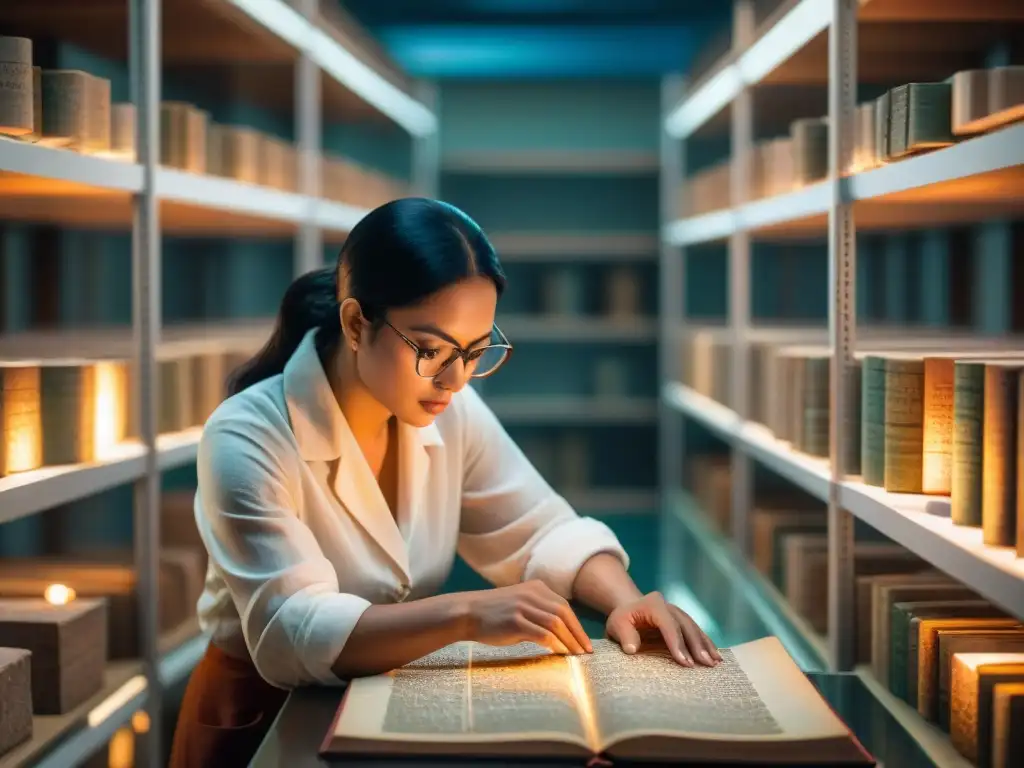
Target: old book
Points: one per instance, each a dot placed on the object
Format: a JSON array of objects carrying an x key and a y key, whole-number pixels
[
  {"x": 810, "y": 149},
  {"x": 68, "y": 396},
  {"x": 933, "y": 703},
  {"x": 972, "y": 677},
  {"x": 937, "y": 419},
  {"x": 999, "y": 459},
  {"x": 1007, "y": 725},
  {"x": 183, "y": 136},
  {"x": 920, "y": 118},
  {"x": 885, "y": 595},
  {"x": 66, "y": 108},
  {"x": 968, "y": 441},
  {"x": 122, "y": 130},
  {"x": 986, "y": 99},
  {"x": 15, "y": 697},
  {"x": 68, "y": 644},
  {"x": 768, "y": 527},
  {"x": 97, "y": 131},
  {"x": 904, "y": 425},
  {"x": 21, "y": 440},
  {"x": 922, "y": 655},
  {"x": 475, "y": 700},
  {"x": 872, "y": 440},
  {"x": 814, "y": 433},
  {"x": 17, "y": 116},
  {"x": 864, "y": 584},
  {"x": 883, "y": 109},
  {"x": 234, "y": 151}
]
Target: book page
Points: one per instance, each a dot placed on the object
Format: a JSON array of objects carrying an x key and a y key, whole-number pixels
[
  {"x": 650, "y": 692},
  {"x": 467, "y": 692}
]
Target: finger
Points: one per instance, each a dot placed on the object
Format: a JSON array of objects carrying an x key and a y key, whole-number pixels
[
  {"x": 705, "y": 642},
  {"x": 694, "y": 640},
  {"x": 534, "y": 633},
  {"x": 625, "y": 634},
  {"x": 553, "y": 623},
  {"x": 672, "y": 633},
  {"x": 572, "y": 622}
]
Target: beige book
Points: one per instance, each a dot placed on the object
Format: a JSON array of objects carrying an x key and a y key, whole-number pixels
[
  {"x": 17, "y": 114},
  {"x": 954, "y": 641},
  {"x": 972, "y": 678},
  {"x": 474, "y": 699}
]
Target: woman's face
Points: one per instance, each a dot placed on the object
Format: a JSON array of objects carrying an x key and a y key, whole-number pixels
[{"x": 461, "y": 315}]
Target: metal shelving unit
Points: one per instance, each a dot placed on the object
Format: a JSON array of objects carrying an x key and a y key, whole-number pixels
[
  {"x": 150, "y": 201},
  {"x": 902, "y": 194}
]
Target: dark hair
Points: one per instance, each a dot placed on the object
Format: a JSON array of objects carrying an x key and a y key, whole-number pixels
[{"x": 395, "y": 256}]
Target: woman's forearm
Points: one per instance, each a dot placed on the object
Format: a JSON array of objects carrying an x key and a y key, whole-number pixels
[
  {"x": 389, "y": 636},
  {"x": 603, "y": 584}
]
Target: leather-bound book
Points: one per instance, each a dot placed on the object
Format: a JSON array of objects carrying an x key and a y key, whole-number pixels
[
  {"x": 972, "y": 678},
  {"x": 1007, "y": 725},
  {"x": 933, "y": 704},
  {"x": 15, "y": 697},
  {"x": 937, "y": 436},
  {"x": 914, "y": 589}
]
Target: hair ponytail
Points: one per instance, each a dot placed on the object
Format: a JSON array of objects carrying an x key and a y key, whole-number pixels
[{"x": 311, "y": 301}]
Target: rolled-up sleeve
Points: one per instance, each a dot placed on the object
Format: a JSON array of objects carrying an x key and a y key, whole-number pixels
[
  {"x": 293, "y": 617},
  {"x": 514, "y": 526}
]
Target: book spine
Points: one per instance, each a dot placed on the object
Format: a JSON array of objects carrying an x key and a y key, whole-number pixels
[
  {"x": 968, "y": 421},
  {"x": 815, "y": 410},
  {"x": 969, "y": 102},
  {"x": 929, "y": 116},
  {"x": 872, "y": 457},
  {"x": 65, "y": 108},
  {"x": 937, "y": 438},
  {"x": 904, "y": 425},
  {"x": 851, "y": 444},
  {"x": 999, "y": 465},
  {"x": 97, "y": 133},
  {"x": 898, "y": 121},
  {"x": 17, "y": 115},
  {"x": 883, "y": 106},
  {"x": 810, "y": 149},
  {"x": 20, "y": 420},
  {"x": 122, "y": 129}
]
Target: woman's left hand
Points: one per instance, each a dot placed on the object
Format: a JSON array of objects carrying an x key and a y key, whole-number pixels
[{"x": 652, "y": 618}]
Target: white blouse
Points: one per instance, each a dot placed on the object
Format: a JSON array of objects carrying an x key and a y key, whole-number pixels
[{"x": 301, "y": 541}]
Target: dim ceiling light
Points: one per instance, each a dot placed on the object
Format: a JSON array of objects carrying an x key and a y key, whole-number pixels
[{"x": 340, "y": 64}]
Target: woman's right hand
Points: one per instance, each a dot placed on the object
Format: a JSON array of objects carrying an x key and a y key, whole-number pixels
[{"x": 527, "y": 612}]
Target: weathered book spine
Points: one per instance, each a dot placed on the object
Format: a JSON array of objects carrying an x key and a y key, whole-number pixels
[
  {"x": 968, "y": 441},
  {"x": 97, "y": 134},
  {"x": 937, "y": 439},
  {"x": 921, "y": 118},
  {"x": 810, "y": 149},
  {"x": 904, "y": 426},
  {"x": 815, "y": 410},
  {"x": 68, "y": 405},
  {"x": 21, "y": 441},
  {"x": 17, "y": 115},
  {"x": 852, "y": 431},
  {"x": 999, "y": 464},
  {"x": 65, "y": 108},
  {"x": 969, "y": 100},
  {"x": 872, "y": 444},
  {"x": 883, "y": 106},
  {"x": 122, "y": 130}
]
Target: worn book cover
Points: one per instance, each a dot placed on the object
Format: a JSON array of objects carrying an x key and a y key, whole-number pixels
[
  {"x": 477, "y": 700},
  {"x": 935, "y": 707},
  {"x": 973, "y": 676}
]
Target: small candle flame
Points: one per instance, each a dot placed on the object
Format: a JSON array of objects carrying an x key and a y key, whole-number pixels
[{"x": 58, "y": 594}]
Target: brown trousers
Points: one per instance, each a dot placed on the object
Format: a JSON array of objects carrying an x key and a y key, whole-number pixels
[{"x": 225, "y": 714}]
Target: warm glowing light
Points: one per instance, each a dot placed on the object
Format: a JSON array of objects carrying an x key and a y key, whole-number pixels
[
  {"x": 108, "y": 415},
  {"x": 21, "y": 426},
  {"x": 140, "y": 721},
  {"x": 121, "y": 750},
  {"x": 58, "y": 594}
]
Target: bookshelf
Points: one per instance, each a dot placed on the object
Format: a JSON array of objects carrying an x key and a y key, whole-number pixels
[
  {"x": 303, "y": 75},
  {"x": 806, "y": 60}
]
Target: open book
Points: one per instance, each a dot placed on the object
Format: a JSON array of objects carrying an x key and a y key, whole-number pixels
[{"x": 477, "y": 700}]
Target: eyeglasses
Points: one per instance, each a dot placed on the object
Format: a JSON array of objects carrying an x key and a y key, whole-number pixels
[{"x": 479, "y": 362}]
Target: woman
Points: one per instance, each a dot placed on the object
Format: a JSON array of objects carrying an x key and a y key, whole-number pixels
[{"x": 349, "y": 465}]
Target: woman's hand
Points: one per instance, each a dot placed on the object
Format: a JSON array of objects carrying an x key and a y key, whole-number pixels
[
  {"x": 651, "y": 618},
  {"x": 532, "y": 612}
]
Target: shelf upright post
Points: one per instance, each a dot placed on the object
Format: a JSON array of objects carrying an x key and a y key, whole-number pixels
[
  {"x": 842, "y": 247},
  {"x": 309, "y": 247},
  {"x": 739, "y": 277},
  {"x": 145, "y": 56},
  {"x": 426, "y": 149},
  {"x": 671, "y": 314}
]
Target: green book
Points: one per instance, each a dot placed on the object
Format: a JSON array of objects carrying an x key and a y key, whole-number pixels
[
  {"x": 968, "y": 423},
  {"x": 872, "y": 442}
]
